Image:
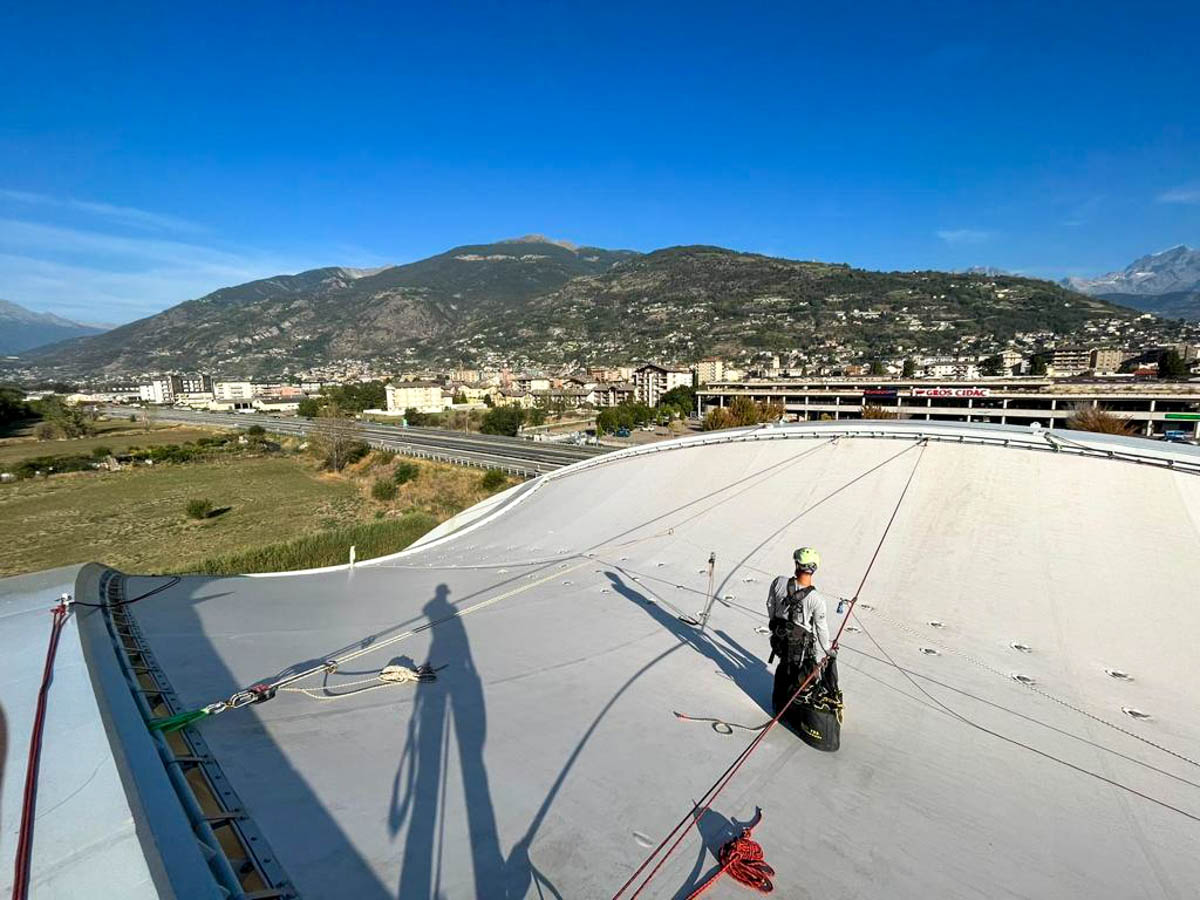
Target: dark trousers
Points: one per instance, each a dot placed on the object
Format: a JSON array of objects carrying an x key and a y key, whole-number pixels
[{"x": 788, "y": 675}]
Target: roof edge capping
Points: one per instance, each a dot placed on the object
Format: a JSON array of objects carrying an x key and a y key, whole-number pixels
[{"x": 171, "y": 849}]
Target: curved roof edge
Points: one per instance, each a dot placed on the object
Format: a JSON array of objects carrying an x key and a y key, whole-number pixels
[{"x": 1176, "y": 457}]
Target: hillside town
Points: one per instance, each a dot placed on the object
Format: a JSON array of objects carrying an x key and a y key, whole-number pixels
[{"x": 1130, "y": 382}]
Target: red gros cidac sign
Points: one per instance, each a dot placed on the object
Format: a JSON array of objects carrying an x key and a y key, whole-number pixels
[{"x": 951, "y": 392}]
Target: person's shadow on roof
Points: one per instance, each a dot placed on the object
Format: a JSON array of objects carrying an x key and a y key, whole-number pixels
[
  {"x": 452, "y": 703},
  {"x": 745, "y": 669}
]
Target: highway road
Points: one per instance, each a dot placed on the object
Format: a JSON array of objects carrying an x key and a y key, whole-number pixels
[{"x": 517, "y": 455}]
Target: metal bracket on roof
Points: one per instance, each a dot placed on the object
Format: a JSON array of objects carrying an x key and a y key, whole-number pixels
[{"x": 208, "y": 800}]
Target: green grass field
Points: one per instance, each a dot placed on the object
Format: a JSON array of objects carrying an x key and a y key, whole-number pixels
[
  {"x": 117, "y": 436},
  {"x": 135, "y": 520},
  {"x": 273, "y": 513}
]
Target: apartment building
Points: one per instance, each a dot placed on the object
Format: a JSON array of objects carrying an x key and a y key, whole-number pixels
[
  {"x": 650, "y": 382},
  {"x": 423, "y": 396}
]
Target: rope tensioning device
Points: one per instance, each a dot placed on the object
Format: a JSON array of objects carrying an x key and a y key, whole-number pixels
[
  {"x": 264, "y": 691},
  {"x": 256, "y": 693}
]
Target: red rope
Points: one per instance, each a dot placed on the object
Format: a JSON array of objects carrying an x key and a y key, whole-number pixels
[
  {"x": 706, "y": 800},
  {"x": 742, "y": 860},
  {"x": 25, "y": 840}
]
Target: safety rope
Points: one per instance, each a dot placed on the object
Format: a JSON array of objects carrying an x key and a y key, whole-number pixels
[
  {"x": 1027, "y": 685},
  {"x": 21, "y": 867},
  {"x": 1021, "y": 744},
  {"x": 706, "y": 800},
  {"x": 720, "y": 726},
  {"x": 386, "y": 677},
  {"x": 263, "y": 691},
  {"x": 742, "y": 860}
]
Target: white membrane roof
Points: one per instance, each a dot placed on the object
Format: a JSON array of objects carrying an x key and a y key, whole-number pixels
[{"x": 546, "y": 760}]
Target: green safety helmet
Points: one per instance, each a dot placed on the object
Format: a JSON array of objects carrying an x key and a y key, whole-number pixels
[{"x": 807, "y": 559}]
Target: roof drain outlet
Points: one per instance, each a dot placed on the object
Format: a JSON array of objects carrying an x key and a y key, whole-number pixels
[
  {"x": 934, "y": 623},
  {"x": 929, "y": 651},
  {"x": 1023, "y": 679},
  {"x": 1021, "y": 648},
  {"x": 1118, "y": 674},
  {"x": 1134, "y": 713}
]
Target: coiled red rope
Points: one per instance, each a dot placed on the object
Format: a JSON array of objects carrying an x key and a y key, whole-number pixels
[
  {"x": 28, "y": 805},
  {"x": 742, "y": 860}
]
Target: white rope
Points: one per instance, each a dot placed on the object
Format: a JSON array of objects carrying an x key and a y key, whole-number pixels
[{"x": 389, "y": 675}]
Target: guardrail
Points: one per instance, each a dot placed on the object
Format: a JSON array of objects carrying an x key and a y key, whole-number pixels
[{"x": 525, "y": 458}]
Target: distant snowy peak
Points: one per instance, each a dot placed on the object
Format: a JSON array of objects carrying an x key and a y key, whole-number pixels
[{"x": 1171, "y": 271}]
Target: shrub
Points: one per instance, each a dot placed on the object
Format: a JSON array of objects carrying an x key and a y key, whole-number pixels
[
  {"x": 46, "y": 431},
  {"x": 405, "y": 472},
  {"x": 256, "y": 431},
  {"x": 878, "y": 412},
  {"x": 199, "y": 508},
  {"x": 51, "y": 465},
  {"x": 102, "y": 452},
  {"x": 1098, "y": 419},
  {"x": 383, "y": 490},
  {"x": 385, "y": 456},
  {"x": 132, "y": 417},
  {"x": 492, "y": 479}
]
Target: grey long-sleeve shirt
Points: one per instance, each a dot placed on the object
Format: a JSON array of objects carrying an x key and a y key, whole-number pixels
[{"x": 812, "y": 615}]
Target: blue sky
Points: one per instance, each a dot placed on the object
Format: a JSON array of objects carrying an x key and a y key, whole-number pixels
[{"x": 151, "y": 153}]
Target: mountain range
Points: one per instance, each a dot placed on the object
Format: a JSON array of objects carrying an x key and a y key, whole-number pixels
[
  {"x": 1165, "y": 283},
  {"x": 536, "y": 300},
  {"x": 23, "y": 329}
]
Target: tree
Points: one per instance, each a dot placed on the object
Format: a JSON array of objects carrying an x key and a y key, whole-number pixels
[
  {"x": 1096, "y": 418},
  {"x": 503, "y": 420},
  {"x": 337, "y": 438},
  {"x": 1171, "y": 365},
  {"x": 910, "y": 368},
  {"x": 681, "y": 398},
  {"x": 993, "y": 365},
  {"x": 1037, "y": 365},
  {"x": 13, "y": 407},
  {"x": 877, "y": 368},
  {"x": 310, "y": 408},
  {"x": 68, "y": 421},
  {"x": 357, "y": 397}
]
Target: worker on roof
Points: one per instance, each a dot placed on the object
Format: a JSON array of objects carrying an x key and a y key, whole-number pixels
[{"x": 800, "y": 638}]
